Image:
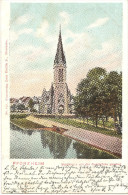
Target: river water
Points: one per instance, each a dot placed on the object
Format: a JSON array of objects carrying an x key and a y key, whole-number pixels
[{"x": 25, "y": 144}]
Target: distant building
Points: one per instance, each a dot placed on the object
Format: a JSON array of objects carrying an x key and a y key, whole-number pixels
[
  {"x": 13, "y": 101},
  {"x": 25, "y": 101},
  {"x": 36, "y": 107},
  {"x": 58, "y": 100},
  {"x": 15, "y": 104},
  {"x": 36, "y": 103}
]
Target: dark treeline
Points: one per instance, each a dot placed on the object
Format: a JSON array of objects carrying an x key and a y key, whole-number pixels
[{"x": 99, "y": 96}]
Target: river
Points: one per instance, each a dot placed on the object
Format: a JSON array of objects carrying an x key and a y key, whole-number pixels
[{"x": 25, "y": 144}]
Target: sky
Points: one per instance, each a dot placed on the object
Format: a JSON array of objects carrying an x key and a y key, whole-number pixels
[{"x": 91, "y": 35}]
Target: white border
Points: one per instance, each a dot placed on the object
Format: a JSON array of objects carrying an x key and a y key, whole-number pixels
[
  {"x": 5, "y": 119},
  {"x": 67, "y": 1},
  {"x": 125, "y": 84}
]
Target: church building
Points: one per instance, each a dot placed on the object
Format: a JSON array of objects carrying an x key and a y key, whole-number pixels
[{"x": 58, "y": 100}]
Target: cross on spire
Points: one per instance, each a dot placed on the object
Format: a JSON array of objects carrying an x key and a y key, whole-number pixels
[{"x": 60, "y": 57}]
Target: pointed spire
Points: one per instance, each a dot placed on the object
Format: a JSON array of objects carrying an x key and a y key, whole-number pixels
[
  {"x": 60, "y": 29},
  {"x": 60, "y": 57}
]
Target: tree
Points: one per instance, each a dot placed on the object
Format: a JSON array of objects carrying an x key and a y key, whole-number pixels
[
  {"x": 97, "y": 106},
  {"x": 81, "y": 99},
  {"x": 13, "y": 107},
  {"x": 99, "y": 95},
  {"x": 21, "y": 107},
  {"x": 113, "y": 84},
  {"x": 31, "y": 104}
]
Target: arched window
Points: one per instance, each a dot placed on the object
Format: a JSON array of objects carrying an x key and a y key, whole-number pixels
[
  {"x": 61, "y": 98},
  {"x": 60, "y": 75},
  {"x": 47, "y": 98}
]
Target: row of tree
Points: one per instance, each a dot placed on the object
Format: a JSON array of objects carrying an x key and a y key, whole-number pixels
[
  {"x": 21, "y": 107},
  {"x": 99, "y": 96}
]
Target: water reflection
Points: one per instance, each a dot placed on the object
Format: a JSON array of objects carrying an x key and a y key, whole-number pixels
[
  {"x": 38, "y": 144},
  {"x": 28, "y": 132},
  {"x": 45, "y": 144},
  {"x": 58, "y": 144},
  {"x": 83, "y": 151}
]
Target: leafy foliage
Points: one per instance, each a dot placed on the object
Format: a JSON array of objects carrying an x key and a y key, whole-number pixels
[
  {"x": 24, "y": 123},
  {"x": 21, "y": 107},
  {"x": 12, "y": 116},
  {"x": 99, "y": 96},
  {"x": 31, "y": 104},
  {"x": 78, "y": 124}
]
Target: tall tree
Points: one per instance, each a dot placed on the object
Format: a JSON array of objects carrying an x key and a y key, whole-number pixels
[
  {"x": 31, "y": 104},
  {"x": 99, "y": 95},
  {"x": 21, "y": 107},
  {"x": 113, "y": 84},
  {"x": 81, "y": 99},
  {"x": 96, "y": 93}
]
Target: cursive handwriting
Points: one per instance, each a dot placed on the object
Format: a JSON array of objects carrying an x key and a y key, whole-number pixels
[{"x": 65, "y": 179}]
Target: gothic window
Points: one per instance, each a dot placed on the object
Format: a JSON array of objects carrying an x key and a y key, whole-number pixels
[
  {"x": 61, "y": 98},
  {"x": 61, "y": 109},
  {"x": 47, "y": 98},
  {"x": 60, "y": 75}
]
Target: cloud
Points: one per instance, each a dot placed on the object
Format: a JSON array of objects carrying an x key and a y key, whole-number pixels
[
  {"x": 98, "y": 22},
  {"x": 23, "y": 57},
  {"x": 25, "y": 31},
  {"x": 42, "y": 30},
  {"x": 78, "y": 48},
  {"x": 32, "y": 83},
  {"x": 23, "y": 19},
  {"x": 14, "y": 35},
  {"x": 65, "y": 17},
  {"x": 79, "y": 62},
  {"x": 110, "y": 62},
  {"x": 81, "y": 58},
  {"x": 82, "y": 55},
  {"x": 36, "y": 54},
  {"x": 107, "y": 48}
]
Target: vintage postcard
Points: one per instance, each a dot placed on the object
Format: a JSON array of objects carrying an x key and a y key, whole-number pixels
[{"x": 64, "y": 97}]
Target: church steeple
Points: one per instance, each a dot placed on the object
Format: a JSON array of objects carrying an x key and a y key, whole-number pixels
[{"x": 60, "y": 57}]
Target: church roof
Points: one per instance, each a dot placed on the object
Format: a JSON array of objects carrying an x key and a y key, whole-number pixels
[{"x": 60, "y": 57}]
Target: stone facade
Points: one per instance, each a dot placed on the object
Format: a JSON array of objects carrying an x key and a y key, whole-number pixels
[{"x": 58, "y": 100}]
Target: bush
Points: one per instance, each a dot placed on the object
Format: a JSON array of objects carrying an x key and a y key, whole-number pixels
[{"x": 12, "y": 116}]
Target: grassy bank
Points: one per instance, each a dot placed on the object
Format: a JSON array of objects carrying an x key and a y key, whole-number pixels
[
  {"x": 19, "y": 115},
  {"x": 21, "y": 121},
  {"x": 107, "y": 124},
  {"x": 82, "y": 125}
]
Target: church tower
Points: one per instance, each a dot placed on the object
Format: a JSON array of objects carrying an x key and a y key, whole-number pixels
[
  {"x": 58, "y": 100},
  {"x": 60, "y": 85}
]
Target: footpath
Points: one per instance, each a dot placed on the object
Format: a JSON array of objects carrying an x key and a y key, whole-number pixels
[{"x": 98, "y": 140}]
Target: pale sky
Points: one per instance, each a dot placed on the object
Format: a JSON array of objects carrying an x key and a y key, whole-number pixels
[{"x": 91, "y": 35}]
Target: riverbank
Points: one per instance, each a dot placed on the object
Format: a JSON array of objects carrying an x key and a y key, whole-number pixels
[
  {"x": 76, "y": 123},
  {"x": 93, "y": 150},
  {"x": 25, "y": 124},
  {"x": 107, "y": 143},
  {"x": 45, "y": 144}
]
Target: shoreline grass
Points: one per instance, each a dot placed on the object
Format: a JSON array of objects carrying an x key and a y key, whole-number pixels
[
  {"x": 107, "y": 124},
  {"x": 20, "y": 119},
  {"x": 86, "y": 126},
  {"x": 24, "y": 123}
]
